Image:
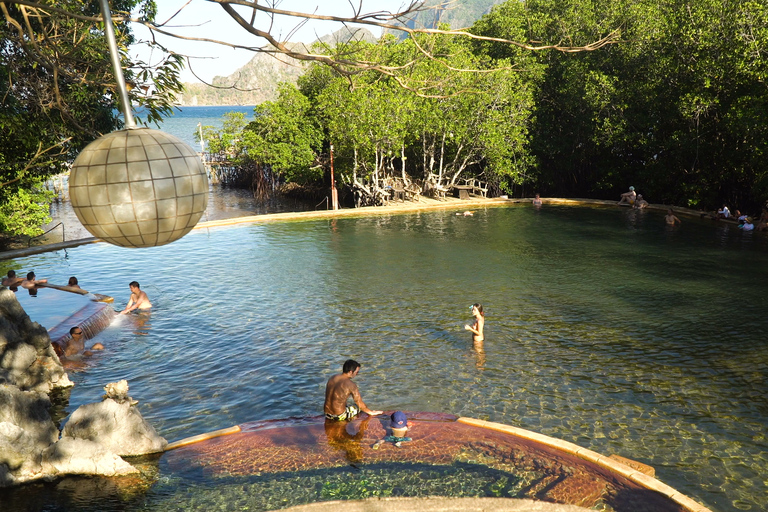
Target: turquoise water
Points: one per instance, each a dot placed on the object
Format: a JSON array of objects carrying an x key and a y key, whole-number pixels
[
  {"x": 183, "y": 122},
  {"x": 604, "y": 328}
]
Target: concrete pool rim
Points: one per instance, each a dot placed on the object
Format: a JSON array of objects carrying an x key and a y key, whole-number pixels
[
  {"x": 607, "y": 463},
  {"x": 364, "y": 211}
]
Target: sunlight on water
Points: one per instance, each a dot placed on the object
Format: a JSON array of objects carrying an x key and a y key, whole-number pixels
[{"x": 604, "y": 328}]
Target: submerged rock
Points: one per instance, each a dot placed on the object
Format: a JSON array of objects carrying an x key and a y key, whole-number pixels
[{"x": 82, "y": 457}]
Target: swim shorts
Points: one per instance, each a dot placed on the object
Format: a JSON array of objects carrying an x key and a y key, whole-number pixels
[{"x": 348, "y": 414}]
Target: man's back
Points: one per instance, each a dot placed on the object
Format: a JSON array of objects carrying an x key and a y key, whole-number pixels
[{"x": 337, "y": 391}]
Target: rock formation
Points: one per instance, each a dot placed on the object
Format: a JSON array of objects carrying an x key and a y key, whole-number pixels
[
  {"x": 115, "y": 424},
  {"x": 27, "y": 359},
  {"x": 96, "y": 434}
]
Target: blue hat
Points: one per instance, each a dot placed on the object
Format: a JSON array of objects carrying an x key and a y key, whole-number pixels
[{"x": 399, "y": 420}]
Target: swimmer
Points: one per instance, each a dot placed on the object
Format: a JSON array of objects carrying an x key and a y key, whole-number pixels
[
  {"x": 338, "y": 389},
  {"x": 536, "y": 201},
  {"x": 670, "y": 218},
  {"x": 138, "y": 300},
  {"x": 30, "y": 282},
  {"x": 73, "y": 283},
  {"x": 640, "y": 203},
  {"x": 477, "y": 327},
  {"x": 11, "y": 280}
]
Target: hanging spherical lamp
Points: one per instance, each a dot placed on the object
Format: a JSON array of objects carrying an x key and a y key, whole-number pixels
[{"x": 138, "y": 187}]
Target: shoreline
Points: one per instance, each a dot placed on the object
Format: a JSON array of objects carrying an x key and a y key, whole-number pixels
[{"x": 423, "y": 204}]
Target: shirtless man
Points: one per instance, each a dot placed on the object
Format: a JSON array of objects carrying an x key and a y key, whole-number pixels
[
  {"x": 31, "y": 282},
  {"x": 671, "y": 219},
  {"x": 138, "y": 300},
  {"x": 337, "y": 391},
  {"x": 11, "y": 280}
]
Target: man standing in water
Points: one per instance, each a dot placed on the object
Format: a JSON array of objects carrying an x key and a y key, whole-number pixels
[
  {"x": 339, "y": 388},
  {"x": 138, "y": 300}
]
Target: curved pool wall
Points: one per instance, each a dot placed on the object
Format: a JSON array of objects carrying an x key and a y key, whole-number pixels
[
  {"x": 545, "y": 468},
  {"x": 59, "y": 308},
  {"x": 604, "y": 328}
]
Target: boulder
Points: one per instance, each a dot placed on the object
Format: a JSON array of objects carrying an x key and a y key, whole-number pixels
[
  {"x": 26, "y": 429},
  {"x": 115, "y": 423},
  {"x": 82, "y": 457},
  {"x": 27, "y": 358}
]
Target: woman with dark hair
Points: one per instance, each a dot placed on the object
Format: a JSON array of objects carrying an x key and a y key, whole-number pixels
[
  {"x": 73, "y": 282},
  {"x": 477, "y": 326}
]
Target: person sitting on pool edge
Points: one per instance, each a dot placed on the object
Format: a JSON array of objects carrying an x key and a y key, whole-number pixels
[
  {"x": 138, "y": 300},
  {"x": 640, "y": 203},
  {"x": 339, "y": 388},
  {"x": 628, "y": 197},
  {"x": 30, "y": 282}
]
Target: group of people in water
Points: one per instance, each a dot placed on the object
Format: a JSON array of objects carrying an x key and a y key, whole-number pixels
[
  {"x": 74, "y": 344},
  {"x": 745, "y": 222}
]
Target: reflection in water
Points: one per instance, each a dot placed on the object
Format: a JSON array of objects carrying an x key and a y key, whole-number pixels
[{"x": 347, "y": 436}]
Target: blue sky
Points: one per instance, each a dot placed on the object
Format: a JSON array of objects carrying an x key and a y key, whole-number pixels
[{"x": 201, "y": 18}]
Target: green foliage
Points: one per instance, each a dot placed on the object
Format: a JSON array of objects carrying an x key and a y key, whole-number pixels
[
  {"x": 58, "y": 93},
  {"x": 675, "y": 108},
  {"x": 672, "y": 109},
  {"x": 284, "y": 137}
]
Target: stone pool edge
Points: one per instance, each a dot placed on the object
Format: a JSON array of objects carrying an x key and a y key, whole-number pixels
[
  {"x": 454, "y": 204},
  {"x": 604, "y": 461}
]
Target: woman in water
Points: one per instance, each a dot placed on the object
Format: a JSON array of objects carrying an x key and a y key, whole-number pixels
[{"x": 477, "y": 327}]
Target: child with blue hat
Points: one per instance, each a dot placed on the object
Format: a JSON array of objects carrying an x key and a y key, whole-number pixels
[{"x": 399, "y": 426}]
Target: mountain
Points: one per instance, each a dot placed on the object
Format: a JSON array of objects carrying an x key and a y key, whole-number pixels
[
  {"x": 257, "y": 81},
  {"x": 252, "y": 84},
  {"x": 457, "y": 14}
]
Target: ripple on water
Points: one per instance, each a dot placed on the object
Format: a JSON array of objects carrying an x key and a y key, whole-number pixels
[{"x": 603, "y": 328}]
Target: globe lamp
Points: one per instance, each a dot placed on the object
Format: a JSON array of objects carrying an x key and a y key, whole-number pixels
[{"x": 138, "y": 187}]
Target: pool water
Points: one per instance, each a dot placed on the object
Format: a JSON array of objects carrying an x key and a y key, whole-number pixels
[
  {"x": 49, "y": 306},
  {"x": 604, "y": 327}
]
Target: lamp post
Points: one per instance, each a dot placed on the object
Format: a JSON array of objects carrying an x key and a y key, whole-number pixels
[
  {"x": 136, "y": 187},
  {"x": 334, "y": 192},
  {"x": 109, "y": 31}
]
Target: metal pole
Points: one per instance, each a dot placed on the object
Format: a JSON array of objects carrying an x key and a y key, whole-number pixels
[
  {"x": 109, "y": 31},
  {"x": 334, "y": 192}
]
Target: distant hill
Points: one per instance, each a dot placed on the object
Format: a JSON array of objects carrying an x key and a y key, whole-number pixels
[
  {"x": 458, "y": 14},
  {"x": 257, "y": 81}
]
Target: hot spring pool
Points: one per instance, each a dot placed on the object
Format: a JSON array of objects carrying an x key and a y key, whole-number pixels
[{"x": 603, "y": 327}]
